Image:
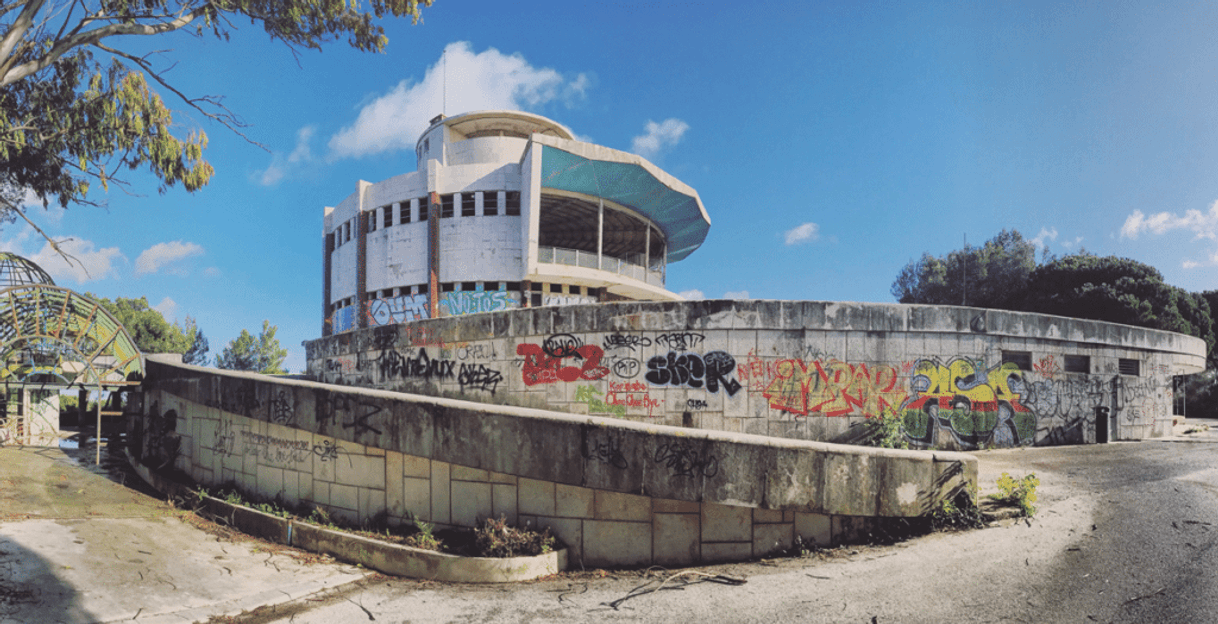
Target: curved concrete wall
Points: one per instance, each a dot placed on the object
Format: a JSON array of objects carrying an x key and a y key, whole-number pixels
[
  {"x": 961, "y": 378},
  {"x": 617, "y": 492}
]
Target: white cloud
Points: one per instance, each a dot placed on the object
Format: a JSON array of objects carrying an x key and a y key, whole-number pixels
[
  {"x": 89, "y": 263},
  {"x": 165, "y": 254},
  {"x": 1049, "y": 234},
  {"x": 1071, "y": 245},
  {"x": 211, "y": 272},
  {"x": 168, "y": 309},
  {"x": 281, "y": 165},
  {"x": 692, "y": 295},
  {"x": 740, "y": 294},
  {"x": 658, "y": 136},
  {"x": 1203, "y": 225},
  {"x": 482, "y": 81},
  {"x": 803, "y": 233}
]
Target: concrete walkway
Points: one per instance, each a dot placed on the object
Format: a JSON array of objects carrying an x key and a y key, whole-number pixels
[{"x": 80, "y": 544}]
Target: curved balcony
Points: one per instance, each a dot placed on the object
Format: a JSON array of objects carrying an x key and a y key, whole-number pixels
[{"x": 589, "y": 260}]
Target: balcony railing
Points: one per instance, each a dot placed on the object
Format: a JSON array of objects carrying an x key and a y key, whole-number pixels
[{"x": 587, "y": 260}]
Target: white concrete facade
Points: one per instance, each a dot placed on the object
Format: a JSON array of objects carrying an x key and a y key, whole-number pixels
[{"x": 506, "y": 210}]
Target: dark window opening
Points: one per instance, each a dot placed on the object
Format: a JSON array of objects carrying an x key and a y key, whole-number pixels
[
  {"x": 405, "y": 216},
  {"x": 535, "y": 300},
  {"x": 536, "y": 287},
  {"x": 511, "y": 286},
  {"x": 1022, "y": 359},
  {"x": 490, "y": 203},
  {"x": 469, "y": 286},
  {"x": 389, "y": 215},
  {"x": 1078, "y": 364},
  {"x": 423, "y": 203},
  {"x": 512, "y": 203},
  {"x": 556, "y": 288},
  {"x": 422, "y": 289},
  {"x": 467, "y": 204},
  {"x": 387, "y": 293},
  {"x": 447, "y": 287},
  {"x": 1129, "y": 367},
  {"x": 446, "y": 206}
]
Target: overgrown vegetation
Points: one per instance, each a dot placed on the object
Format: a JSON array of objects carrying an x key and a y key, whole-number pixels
[
  {"x": 1018, "y": 492},
  {"x": 957, "y": 512},
  {"x": 1003, "y": 273},
  {"x": 491, "y": 538},
  {"x": 886, "y": 430}
]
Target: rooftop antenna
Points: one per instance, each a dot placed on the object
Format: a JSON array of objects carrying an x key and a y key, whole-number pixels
[{"x": 964, "y": 270}]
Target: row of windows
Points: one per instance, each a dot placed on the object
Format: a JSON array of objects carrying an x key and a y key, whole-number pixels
[
  {"x": 1073, "y": 363},
  {"x": 537, "y": 291},
  {"x": 492, "y": 206}
]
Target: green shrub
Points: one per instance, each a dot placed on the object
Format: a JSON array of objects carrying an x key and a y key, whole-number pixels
[{"x": 1021, "y": 492}]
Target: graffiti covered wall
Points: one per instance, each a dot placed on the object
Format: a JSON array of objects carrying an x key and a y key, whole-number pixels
[{"x": 958, "y": 378}]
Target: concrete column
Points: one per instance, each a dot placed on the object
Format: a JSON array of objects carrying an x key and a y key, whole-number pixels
[
  {"x": 600, "y": 231},
  {"x": 433, "y": 255}
]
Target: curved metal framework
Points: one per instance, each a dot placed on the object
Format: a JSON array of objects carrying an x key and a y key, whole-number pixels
[{"x": 52, "y": 336}]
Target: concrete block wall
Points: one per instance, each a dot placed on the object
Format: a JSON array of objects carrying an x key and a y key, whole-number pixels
[
  {"x": 791, "y": 369},
  {"x": 616, "y": 492}
]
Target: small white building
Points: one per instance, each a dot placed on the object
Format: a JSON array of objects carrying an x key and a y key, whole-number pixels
[{"x": 506, "y": 210}]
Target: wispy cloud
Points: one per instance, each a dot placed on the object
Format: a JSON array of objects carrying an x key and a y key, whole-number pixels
[
  {"x": 89, "y": 263},
  {"x": 1046, "y": 234},
  {"x": 166, "y": 255},
  {"x": 738, "y": 294},
  {"x": 281, "y": 165},
  {"x": 1203, "y": 225},
  {"x": 805, "y": 233},
  {"x": 481, "y": 81},
  {"x": 168, "y": 309},
  {"x": 658, "y": 136},
  {"x": 692, "y": 295}
]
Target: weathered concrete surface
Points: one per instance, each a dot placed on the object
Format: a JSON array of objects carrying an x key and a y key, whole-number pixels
[
  {"x": 77, "y": 547},
  {"x": 658, "y": 461}
]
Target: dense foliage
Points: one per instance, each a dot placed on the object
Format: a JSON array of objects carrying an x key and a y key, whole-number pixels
[
  {"x": 260, "y": 355},
  {"x": 148, "y": 327},
  {"x": 1004, "y": 274}
]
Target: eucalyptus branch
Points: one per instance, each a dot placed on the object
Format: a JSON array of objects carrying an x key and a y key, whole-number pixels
[{"x": 225, "y": 117}]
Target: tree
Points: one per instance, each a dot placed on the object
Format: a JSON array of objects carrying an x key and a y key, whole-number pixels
[
  {"x": 76, "y": 107},
  {"x": 197, "y": 353},
  {"x": 261, "y": 354},
  {"x": 993, "y": 275},
  {"x": 147, "y": 326}
]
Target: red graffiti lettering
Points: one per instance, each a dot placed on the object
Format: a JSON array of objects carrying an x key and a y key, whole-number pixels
[{"x": 539, "y": 367}]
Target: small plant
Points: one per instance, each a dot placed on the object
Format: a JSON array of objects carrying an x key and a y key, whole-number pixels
[
  {"x": 1021, "y": 492},
  {"x": 958, "y": 511},
  {"x": 887, "y": 430},
  {"x": 494, "y": 538},
  {"x": 424, "y": 536}
]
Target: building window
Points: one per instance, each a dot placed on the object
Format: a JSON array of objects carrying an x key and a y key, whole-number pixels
[
  {"x": 447, "y": 287},
  {"x": 1022, "y": 359},
  {"x": 423, "y": 203},
  {"x": 1078, "y": 364},
  {"x": 490, "y": 203},
  {"x": 512, "y": 203},
  {"x": 535, "y": 287},
  {"x": 1133, "y": 368},
  {"x": 535, "y": 300},
  {"x": 371, "y": 222},
  {"x": 389, "y": 215},
  {"x": 556, "y": 288},
  {"x": 347, "y": 231},
  {"x": 446, "y": 206},
  {"x": 468, "y": 286},
  {"x": 421, "y": 289},
  {"x": 467, "y": 204},
  {"x": 511, "y": 286}
]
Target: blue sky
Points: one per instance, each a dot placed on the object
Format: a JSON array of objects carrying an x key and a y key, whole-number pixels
[{"x": 831, "y": 143}]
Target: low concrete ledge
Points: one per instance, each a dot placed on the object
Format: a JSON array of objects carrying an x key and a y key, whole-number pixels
[{"x": 381, "y": 556}]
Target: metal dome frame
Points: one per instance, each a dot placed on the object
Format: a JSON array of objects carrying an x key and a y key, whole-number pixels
[{"x": 54, "y": 336}]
